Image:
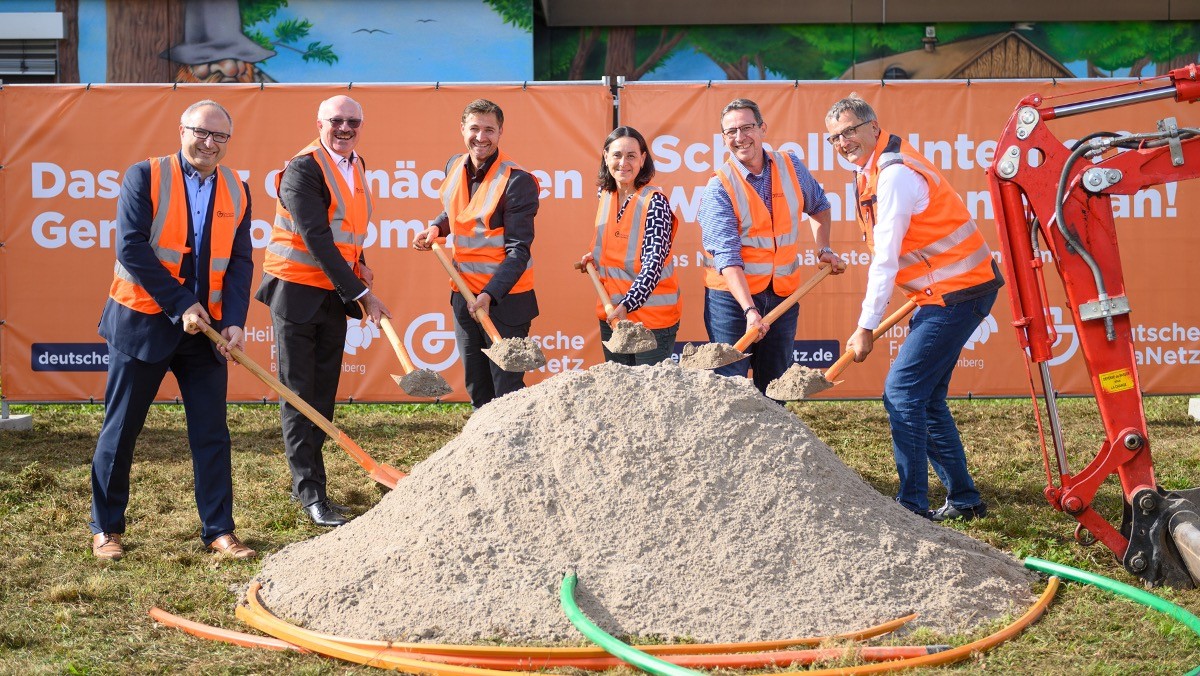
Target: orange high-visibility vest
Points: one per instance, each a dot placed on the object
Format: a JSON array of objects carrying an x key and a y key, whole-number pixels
[
  {"x": 169, "y": 230},
  {"x": 479, "y": 248},
  {"x": 617, "y": 251},
  {"x": 287, "y": 258},
  {"x": 943, "y": 250},
  {"x": 770, "y": 240}
]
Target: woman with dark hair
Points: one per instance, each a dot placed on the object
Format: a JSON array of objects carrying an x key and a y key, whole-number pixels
[{"x": 631, "y": 249}]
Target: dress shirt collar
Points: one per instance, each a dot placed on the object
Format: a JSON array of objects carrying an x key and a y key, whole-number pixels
[
  {"x": 338, "y": 159},
  {"x": 746, "y": 172},
  {"x": 477, "y": 174},
  {"x": 193, "y": 173}
]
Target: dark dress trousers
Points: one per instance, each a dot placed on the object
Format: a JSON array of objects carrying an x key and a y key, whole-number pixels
[
  {"x": 143, "y": 347},
  {"x": 512, "y": 313},
  {"x": 310, "y": 326}
]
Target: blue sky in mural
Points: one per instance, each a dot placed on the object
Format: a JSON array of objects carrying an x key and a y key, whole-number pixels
[{"x": 426, "y": 41}]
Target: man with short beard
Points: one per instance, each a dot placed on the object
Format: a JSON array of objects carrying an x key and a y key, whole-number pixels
[
  {"x": 490, "y": 203},
  {"x": 314, "y": 276}
]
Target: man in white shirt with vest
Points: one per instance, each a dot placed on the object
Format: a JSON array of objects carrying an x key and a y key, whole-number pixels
[{"x": 923, "y": 240}]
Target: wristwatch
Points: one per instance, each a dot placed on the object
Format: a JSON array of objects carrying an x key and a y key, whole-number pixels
[{"x": 825, "y": 250}]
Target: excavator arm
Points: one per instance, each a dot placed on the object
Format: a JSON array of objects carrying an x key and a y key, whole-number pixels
[{"x": 1057, "y": 199}]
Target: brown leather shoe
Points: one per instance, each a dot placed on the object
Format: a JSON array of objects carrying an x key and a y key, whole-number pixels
[
  {"x": 229, "y": 545},
  {"x": 107, "y": 546}
]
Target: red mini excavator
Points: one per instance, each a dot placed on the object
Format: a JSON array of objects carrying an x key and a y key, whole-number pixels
[{"x": 1044, "y": 191}]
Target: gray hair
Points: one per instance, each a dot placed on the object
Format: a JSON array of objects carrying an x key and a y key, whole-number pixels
[
  {"x": 743, "y": 104},
  {"x": 183, "y": 119},
  {"x": 854, "y": 105},
  {"x": 338, "y": 100}
]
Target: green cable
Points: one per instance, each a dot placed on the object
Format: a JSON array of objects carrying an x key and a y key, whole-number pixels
[
  {"x": 1121, "y": 589},
  {"x": 610, "y": 644}
]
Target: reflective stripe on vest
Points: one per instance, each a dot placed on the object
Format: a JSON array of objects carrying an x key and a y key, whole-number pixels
[
  {"x": 169, "y": 228},
  {"x": 770, "y": 240},
  {"x": 943, "y": 250},
  {"x": 287, "y": 257},
  {"x": 617, "y": 250},
  {"x": 478, "y": 248}
]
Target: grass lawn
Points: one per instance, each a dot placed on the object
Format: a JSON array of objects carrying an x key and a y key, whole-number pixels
[{"x": 61, "y": 611}]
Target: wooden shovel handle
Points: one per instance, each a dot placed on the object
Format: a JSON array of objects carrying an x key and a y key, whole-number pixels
[
  {"x": 848, "y": 356},
  {"x": 600, "y": 291},
  {"x": 748, "y": 338},
  {"x": 360, "y": 456},
  {"x": 402, "y": 354},
  {"x": 482, "y": 317}
]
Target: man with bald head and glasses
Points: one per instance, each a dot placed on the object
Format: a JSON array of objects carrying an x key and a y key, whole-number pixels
[
  {"x": 183, "y": 257},
  {"x": 750, "y": 227},
  {"x": 314, "y": 276},
  {"x": 923, "y": 240}
]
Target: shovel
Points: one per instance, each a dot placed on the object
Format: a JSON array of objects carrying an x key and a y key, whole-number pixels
[
  {"x": 416, "y": 382},
  {"x": 510, "y": 354},
  {"x": 629, "y": 337},
  {"x": 385, "y": 475},
  {"x": 800, "y": 382},
  {"x": 723, "y": 355}
]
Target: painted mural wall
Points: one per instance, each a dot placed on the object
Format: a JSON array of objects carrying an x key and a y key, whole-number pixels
[{"x": 507, "y": 40}]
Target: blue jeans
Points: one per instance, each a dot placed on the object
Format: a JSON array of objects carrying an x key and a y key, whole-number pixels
[
  {"x": 923, "y": 430},
  {"x": 665, "y": 339},
  {"x": 726, "y": 323}
]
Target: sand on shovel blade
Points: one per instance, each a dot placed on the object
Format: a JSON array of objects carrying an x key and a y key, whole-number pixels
[
  {"x": 708, "y": 356},
  {"x": 689, "y": 504},
  {"x": 630, "y": 337},
  {"x": 516, "y": 354},
  {"x": 424, "y": 383},
  {"x": 798, "y": 382}
]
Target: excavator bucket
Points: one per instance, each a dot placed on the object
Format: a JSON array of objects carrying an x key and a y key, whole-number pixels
[{"x": 1163, "y": 528}]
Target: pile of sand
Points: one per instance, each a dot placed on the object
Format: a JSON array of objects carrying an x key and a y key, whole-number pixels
[{"x": 690, "y": 505}]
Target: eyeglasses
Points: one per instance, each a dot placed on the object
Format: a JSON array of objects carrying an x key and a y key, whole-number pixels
[
  {"x": 351, "y": 122},
  {"x": 202, "y": 133},
  {"x": 745, "y": 129},
  {"x": 846, "y": 134}
]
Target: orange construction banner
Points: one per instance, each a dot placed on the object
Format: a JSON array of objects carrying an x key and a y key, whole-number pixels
[
  {"x": 955, "y": 124},
  {"x": 63, "y": 151},
  {"x": 62, "y": 175}
]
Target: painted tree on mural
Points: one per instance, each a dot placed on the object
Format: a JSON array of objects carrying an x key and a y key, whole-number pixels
[
  {"x": 286, "y": 33},
  {"x": 137, "y": 33},
  {"x": 516, "y": 12},
  {"x": 1110, "y": 46},
  {"x": 589, "y": 52}
]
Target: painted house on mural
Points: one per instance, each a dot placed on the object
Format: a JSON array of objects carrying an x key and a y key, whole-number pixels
[{"x": 1001, "y": 55}]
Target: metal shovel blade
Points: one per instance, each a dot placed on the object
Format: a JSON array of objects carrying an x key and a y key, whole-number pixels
[
  {"x": 630, "y": 337},
  {"x": 797, "y": 383},
  {"x": 710, "y": 356},
  {"x": 516, "y": 354},
  {"x": 423, "y": 383}
]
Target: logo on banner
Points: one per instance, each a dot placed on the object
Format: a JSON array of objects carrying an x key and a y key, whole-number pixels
[
  {"x": 1066, "y": 332},
  {"x": 69, "y": 357},
  {"x": 427, "y": 338},
  {"x": 983, "y": 332},
  {"x": 359, "y": 334}
]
